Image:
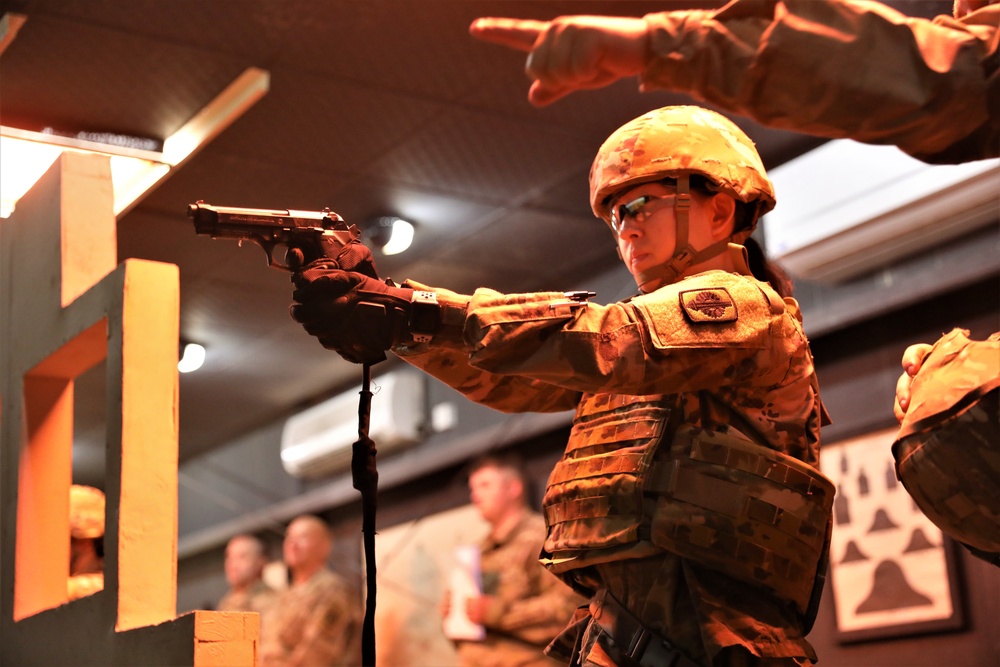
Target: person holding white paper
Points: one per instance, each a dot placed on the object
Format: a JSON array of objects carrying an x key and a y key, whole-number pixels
[{"x": 522, "y": 606}]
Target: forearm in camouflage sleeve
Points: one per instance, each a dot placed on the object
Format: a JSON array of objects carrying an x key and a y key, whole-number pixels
[
  {"x": 838, "y": 69},
  {"x": 645, "y": 346},
  {"x": 447, "y": 359},
  {"x": 506, "y": 393},
  {"x": 538, "y": 617}
]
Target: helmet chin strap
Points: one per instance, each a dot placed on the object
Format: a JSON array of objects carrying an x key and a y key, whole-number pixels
[{"x": 684, "y": 253}]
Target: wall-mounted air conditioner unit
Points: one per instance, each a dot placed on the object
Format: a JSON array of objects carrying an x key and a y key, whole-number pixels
[
  {"x": 318, "y": 440},
  {"x": 847, "y": 208}
]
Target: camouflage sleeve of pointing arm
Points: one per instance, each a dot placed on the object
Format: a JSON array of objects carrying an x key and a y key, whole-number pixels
[
  {"x": 794, "y": 64},
  {"x": 695, "y": 334}
]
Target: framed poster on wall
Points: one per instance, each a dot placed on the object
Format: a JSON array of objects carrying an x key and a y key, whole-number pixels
[{"x": 892, "y": 571}]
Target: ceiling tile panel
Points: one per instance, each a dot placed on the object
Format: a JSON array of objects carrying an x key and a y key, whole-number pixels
[
  {"x": 489, "y": 157},
  {"x": 77, "y": 76}
]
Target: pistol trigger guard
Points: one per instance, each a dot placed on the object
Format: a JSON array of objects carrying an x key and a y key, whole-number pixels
[{"x": 268, "y": 248}]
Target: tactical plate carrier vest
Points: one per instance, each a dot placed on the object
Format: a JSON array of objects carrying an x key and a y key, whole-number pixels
[{"x": 630, "y": 475}]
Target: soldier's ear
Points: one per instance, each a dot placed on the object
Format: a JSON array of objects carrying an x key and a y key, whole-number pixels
[
  {"x": 517, "y": 487},
  {"x": 722, "y": 216}
]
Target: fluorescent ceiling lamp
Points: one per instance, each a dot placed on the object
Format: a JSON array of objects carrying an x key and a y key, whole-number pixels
[
  {"x": 25, "y": 156},
  {"x": 192, "y": 358},
  {"x": 400, "y": 239},
  {"x": 848, "y": 208}
]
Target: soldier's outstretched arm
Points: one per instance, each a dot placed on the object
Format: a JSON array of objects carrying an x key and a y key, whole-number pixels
[{"x": 836, "y": 69}]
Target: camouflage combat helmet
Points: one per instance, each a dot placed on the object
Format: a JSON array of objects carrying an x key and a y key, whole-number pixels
[
  {"x": 947, "y": 450},
  {"x": 674, "y": 143},
  {"x": 86, "y": 512}
]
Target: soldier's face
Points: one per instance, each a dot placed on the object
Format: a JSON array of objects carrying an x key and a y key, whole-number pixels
[
  {"x": 305, "y": 545},
  {"x": 493, "y": 492},
  {"x": 647, "y": 226},
  {"x": 244, "y": 562}
]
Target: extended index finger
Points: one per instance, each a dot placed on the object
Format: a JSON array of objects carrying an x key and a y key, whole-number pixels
[{"x": 517, "y": 34}]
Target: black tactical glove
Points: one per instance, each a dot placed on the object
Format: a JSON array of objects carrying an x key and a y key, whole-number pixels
[
  {"x": 355, "y": 315},
  {"x": 358, "y": 258},
  {"x": 354, "y": 256}
]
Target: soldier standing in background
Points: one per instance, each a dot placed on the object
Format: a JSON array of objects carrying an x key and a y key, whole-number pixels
[
  {"x": 687, "y": 506},
  {"x": 86, "y": 530},
  {"x": 314, "y": 622},
  {"x": 245, "y": 561},
  {"x": 523, "y": 607}
]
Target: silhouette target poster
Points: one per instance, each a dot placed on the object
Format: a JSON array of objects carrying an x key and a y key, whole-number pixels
[{"x": 892, "y": 569}]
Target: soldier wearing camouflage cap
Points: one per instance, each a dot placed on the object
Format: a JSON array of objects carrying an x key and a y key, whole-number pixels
[
  {"x": 86, "y": 529},
  {"x": 687, "y": 505}
]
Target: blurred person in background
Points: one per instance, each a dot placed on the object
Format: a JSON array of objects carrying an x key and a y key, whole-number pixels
[
  {"x": 245, "y": 561},
  {"x": 86, "y": 530},
  {"x": 315, "y": 621},
  {"x": 523, "y": 606}
]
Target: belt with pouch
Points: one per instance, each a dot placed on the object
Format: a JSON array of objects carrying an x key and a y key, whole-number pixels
[{"x": 631, "y": 638}]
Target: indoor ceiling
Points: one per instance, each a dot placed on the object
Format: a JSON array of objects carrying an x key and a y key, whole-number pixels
[{"x": 375, "y": 107}]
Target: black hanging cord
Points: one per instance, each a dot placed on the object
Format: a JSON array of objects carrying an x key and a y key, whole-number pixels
[{"x": 365, "y": 478}]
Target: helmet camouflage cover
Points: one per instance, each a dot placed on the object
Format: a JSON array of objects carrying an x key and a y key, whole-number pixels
[{"x": 677, "y": 140}]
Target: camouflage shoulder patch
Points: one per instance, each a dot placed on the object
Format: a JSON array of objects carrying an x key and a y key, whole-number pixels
[{"x": 708, "y": 305}]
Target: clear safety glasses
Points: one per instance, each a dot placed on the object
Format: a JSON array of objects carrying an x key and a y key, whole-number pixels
[{"x": 637, "y": 210}]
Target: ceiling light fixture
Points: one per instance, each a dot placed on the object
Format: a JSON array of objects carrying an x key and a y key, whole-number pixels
[
  {"x": 192, "y": 357},
  {"x": 389, "y": 233},
  {"x": 26, "y": 155}
]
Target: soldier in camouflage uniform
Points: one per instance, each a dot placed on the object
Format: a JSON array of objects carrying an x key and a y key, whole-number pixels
[
  {"x": 86, "y": 529},
  {"x": 523, "y": 607},
  {"x": 947, "y": 450},
  {"x": 313, "y": 623},
  {"x": 931, "y": 87},
  {"x": 687, "y": 505}
]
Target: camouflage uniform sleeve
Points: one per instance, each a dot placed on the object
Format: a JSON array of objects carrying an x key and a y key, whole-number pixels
[
  {"x": 673, "y": 340},
  {"x": 447, "y": 359},
  {"x": 841, "y": 70},
  {"x": 717, "y": 331}
]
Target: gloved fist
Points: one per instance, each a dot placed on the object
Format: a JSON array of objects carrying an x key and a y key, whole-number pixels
[
  {"x": 323, "y": 280},
  {"x": 354, "y": 256},
  {"x": 356, "y": 316},
  {"x": 358, "y": 258}
]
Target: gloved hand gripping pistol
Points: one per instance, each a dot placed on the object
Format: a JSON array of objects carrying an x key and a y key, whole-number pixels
[
  {"x": 305, "y": 235},
  {"x": 318, "y": 244}
]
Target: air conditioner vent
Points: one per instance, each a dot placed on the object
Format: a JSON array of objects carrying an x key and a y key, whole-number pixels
[{"x": 317, "y": 441}]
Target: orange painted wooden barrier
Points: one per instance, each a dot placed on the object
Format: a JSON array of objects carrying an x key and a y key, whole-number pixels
[{"x": 65, "y": 306}]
